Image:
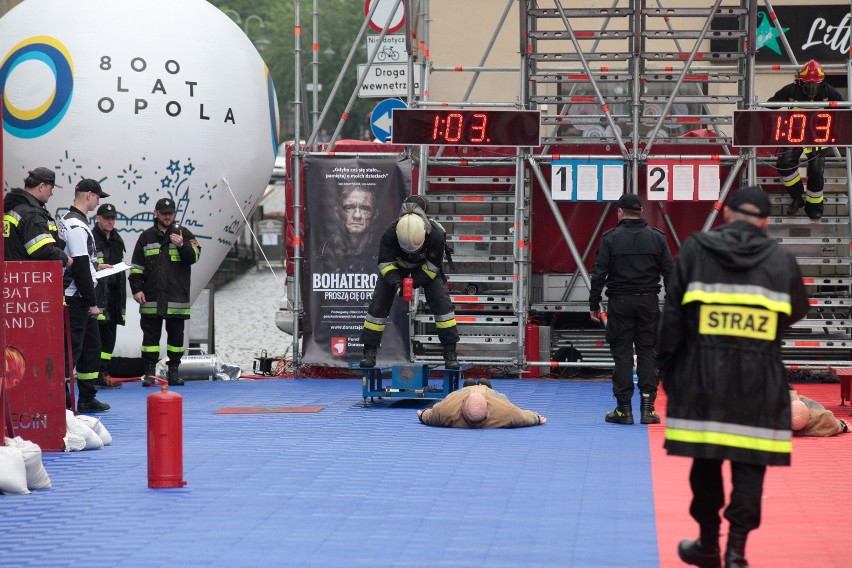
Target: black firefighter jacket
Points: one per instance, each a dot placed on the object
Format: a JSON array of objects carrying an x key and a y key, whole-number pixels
[
  {"x": 733, "y": 294},
  {"x": 30, "y": 231},
  {"x": 111, "y": 290},
  {"x": 424, "y": 266},
  {"x": 162, "y": 271}
]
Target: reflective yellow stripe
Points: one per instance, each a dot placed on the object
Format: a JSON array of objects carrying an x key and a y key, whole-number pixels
[
  {"x": 730, "y": 440},
  {"x": 811, "y": 199},
  {"x": 387, "y": 269},
  {"x": 39, "y": 244},
  {"x": 87, "y": 376},
  {"x": 737, "y": 321},
  {"x": 173, "y": 349},
  {"x": 729, "y": 298},
  {"x": 150, "y": 349},
  {"x": 793, "y": 181},
  {"x": 431, "y": 274},
  {"x": 373, "y": 327},
  {"x": 445, "y": 324}
]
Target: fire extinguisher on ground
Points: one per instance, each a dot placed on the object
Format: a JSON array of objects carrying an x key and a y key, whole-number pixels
[{"x": 165, "y": 438}]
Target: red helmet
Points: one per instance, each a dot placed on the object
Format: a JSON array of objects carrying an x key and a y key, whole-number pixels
[
  {"x": 811, "y": 72},
  {"x": 810, "y": 77}
]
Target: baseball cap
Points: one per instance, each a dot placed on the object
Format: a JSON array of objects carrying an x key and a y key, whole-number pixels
[
  {"x": 630, "y": 202},
  {"x": 91, "y": 185},
  {"x": 751, "y": 195},
  {"x": 165, "y": 205},
  {"x": 107, "y": 210},
  {"x": 44, "y": 175}
]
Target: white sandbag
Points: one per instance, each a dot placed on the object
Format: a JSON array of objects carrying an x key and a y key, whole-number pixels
[
  {"x": 37, "y": 477},
  {"x": 76, "y": 430},
  {"x": 13, "y": 471},
  {"x": 99, "y": 428}
]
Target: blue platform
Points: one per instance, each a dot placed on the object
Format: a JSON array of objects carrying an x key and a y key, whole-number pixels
[{"x": 347, "y": 486}]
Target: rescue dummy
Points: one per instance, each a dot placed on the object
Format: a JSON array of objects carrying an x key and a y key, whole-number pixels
[{"x": 478, "y": 406}]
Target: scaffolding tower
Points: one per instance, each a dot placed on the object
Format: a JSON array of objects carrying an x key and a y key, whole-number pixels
[{"x": 620, "y": 82}]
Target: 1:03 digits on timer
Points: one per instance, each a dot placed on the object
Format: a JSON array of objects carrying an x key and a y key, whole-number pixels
[{"x": 451, "y": 128}]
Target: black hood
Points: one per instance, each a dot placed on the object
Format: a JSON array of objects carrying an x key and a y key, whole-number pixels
[
  {"x": 13, "y": 199},
  {"x": 738, "y": 245}
]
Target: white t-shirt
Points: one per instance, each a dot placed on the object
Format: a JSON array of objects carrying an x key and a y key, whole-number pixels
[{"x": 78, "y": 242}]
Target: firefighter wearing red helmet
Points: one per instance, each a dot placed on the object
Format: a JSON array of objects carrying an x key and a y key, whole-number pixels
[{"x": 809, "y": 86}]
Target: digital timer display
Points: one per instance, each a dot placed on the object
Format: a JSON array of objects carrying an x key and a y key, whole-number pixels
[
  {"x": 795, "y": 127},
  {"x": 466, "y": 127}
]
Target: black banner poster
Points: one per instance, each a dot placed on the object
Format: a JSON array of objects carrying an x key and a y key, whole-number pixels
[
  {"x": 818, "y": 32},
  {"x": 349, "y": 202}
]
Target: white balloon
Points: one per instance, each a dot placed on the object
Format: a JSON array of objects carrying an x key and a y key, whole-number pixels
[{"x": 153, "y": 98}]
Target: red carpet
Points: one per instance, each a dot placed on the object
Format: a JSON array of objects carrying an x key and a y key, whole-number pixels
[{"x": 806, "y": 507}]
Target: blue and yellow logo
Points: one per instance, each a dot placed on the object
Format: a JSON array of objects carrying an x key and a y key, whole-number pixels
[{"x": 35, "y": 122}]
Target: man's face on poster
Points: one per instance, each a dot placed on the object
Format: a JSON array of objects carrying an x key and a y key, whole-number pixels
[{"x": 356, "y": 211}]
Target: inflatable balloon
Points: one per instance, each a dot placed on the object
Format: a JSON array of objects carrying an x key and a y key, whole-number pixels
[{"x": 153, "y": 98}]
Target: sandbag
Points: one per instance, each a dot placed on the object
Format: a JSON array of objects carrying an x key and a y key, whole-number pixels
[
  {"x": 98, "y": 427},
  {"x": 77, "y": 430},
  {"x": 37, "y": 477},
  {"x": 13, "y": 471}
]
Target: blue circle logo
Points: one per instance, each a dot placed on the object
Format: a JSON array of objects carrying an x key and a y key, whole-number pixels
[{"x": 35, "y": 122}]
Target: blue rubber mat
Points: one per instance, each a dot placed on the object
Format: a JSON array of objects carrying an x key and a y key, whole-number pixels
[{"x": 347, "y": 486}]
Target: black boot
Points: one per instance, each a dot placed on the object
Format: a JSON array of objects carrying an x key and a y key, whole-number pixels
[
  {"x": 369, "y": 358},
  {"x": 150, "y": 376},
  {"x": 86, "y": 401},
  {"x": 173, "y": 377},
  {"x": 795, "y": 205},
  {"x": 698, "y": 553},
  {"x": 451, "y": 360},
  {"x": 649, "y": 414},
  {"x": 623, "y": 414},
  {"x": 735, "y": 553}
]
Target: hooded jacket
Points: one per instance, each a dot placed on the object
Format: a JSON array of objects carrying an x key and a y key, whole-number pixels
[
  {"x": 30, "y": 231},
  {"x": 733, "y": 294}
]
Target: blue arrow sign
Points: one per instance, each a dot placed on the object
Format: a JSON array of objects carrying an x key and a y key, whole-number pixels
[{"x": 380, "y": 119}]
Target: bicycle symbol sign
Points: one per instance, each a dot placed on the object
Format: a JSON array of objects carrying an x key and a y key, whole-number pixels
[{"x": 392, "y": 48}]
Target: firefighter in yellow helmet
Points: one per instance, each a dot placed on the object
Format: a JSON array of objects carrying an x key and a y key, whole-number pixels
[
  {"x": 412, "y": 246},
  {"x": 809, "y": 86}
]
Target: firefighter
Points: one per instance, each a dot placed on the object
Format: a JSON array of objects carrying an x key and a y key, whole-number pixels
[
  {"x": 80, "y": 295},
  {"x": 112, "y": 291},
  {"x": 809, "y": 86},
  {"x": 159, "y": 280},
  {"x": 733, "y": 294},
  {"x": 630, "y": 261},
  {"x": 29, "y": 229},
  {"x": 412, "y": 246}
]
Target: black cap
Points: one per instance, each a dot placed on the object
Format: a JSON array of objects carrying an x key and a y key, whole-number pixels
[
  {"x": 91, "y": 185},
  {"x": 165, "y": 205},
  {"x": 630, "y": 202},
  {"x": 44, "y": 175},
  {"x": 107, "y": 210},
  {"x": 751, "y": 195}
]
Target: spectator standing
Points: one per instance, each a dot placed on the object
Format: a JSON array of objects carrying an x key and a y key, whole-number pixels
[
  {"x": 81, "y": 281},
  {"x": 112, "y": 289},
  {"x": 160, "y": 282},
  {"x": 631, "y": 259},
  {"x": 733, "y": 294}
]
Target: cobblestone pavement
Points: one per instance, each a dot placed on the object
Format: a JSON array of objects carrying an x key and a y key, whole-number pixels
[{"x": 244, "y": 311}]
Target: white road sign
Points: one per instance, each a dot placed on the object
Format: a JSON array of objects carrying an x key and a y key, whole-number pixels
[
  {"x": 388, "y": 80},
  {"x": 392, "y": 49}
]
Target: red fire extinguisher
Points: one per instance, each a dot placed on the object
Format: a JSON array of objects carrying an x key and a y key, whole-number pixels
[
  {"x": 165, "y": 439},
  {"x": 531, "y": 348},
  {"x": 407, "y": 289}
]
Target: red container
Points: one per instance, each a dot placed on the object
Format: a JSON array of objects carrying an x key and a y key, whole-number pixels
[
  {"x": 165, "y": 439},
  {"x": 407, "y": 289},
  {"x": 531, "y": 349}
]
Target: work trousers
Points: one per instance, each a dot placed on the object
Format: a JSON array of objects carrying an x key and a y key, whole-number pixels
[
  {"x": 152, "y": 329},
  {"x": 85, "y": 347},
  {"x": 788, "y": 169},
  {"x": 108, "y": 332},
  {"x": 708, "y": 495},
  {"x": 632, "y": 322},
  {"x": 438, "y": 298}
]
